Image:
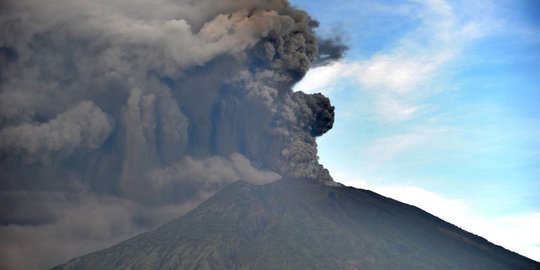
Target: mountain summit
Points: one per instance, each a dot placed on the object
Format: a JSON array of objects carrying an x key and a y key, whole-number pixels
[{"x": 303, "y": 224}]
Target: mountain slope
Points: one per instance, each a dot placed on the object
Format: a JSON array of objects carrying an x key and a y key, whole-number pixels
[{"x": 302, "y": 224}]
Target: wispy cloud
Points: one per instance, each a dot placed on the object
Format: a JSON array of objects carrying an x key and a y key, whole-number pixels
[
  {"x": 517, "y": 232},
  {"x": 393, "y": 109},
  {"x": 395, "y": 77},
  {"x": 385, "y": 149}
]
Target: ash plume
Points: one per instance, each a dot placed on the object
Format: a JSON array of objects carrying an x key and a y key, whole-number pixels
[
  {"x": 330, "y": 50},
  {"x": 117, "y": 116}
]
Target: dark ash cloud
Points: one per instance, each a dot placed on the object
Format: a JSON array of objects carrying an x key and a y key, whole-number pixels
[
  {"x": 116, "y": 116},
  {"x": 330, "y": 50}
]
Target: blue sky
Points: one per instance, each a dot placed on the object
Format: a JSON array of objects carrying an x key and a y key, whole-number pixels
[{"x": 438, "y": 105}]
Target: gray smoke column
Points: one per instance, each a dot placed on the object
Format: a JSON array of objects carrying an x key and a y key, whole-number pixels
[{"x": 116, "y": 116}]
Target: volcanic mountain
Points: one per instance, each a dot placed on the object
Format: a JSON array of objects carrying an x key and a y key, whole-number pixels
[{"x": 303, "y": 224}]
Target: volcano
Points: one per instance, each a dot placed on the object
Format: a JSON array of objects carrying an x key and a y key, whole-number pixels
[{"x": 303, "y": 224}]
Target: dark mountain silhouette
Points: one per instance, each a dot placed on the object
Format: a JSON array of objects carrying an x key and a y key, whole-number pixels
[{"x": 302, "y": 224}]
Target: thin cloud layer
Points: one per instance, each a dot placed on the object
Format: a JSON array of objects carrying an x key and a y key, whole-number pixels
[{"x": 396, "y": 77}]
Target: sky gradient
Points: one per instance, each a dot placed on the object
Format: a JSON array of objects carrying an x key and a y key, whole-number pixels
[{"x": 437, "y": 105}]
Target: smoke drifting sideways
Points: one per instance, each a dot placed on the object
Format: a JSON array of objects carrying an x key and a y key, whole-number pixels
[
  {"x": 116, "y": 116},
  {"x": 330, "y": 50}
]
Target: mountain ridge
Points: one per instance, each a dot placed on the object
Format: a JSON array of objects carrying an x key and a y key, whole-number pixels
[{"x": 303, "y": 224}]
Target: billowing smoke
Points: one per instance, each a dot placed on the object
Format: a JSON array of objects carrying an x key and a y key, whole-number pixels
[{"x": 119, "y": 115}]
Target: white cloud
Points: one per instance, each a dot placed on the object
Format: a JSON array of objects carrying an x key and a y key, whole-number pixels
[
  {"x": 400, "y": 73},
  {"x": 517, "y": 232},
  {"x": 386, "y": 149},
  {"x": 323, "y": 79},
  {"x": 397, "y": 72},
  {"x": 396, "y": 110}
]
